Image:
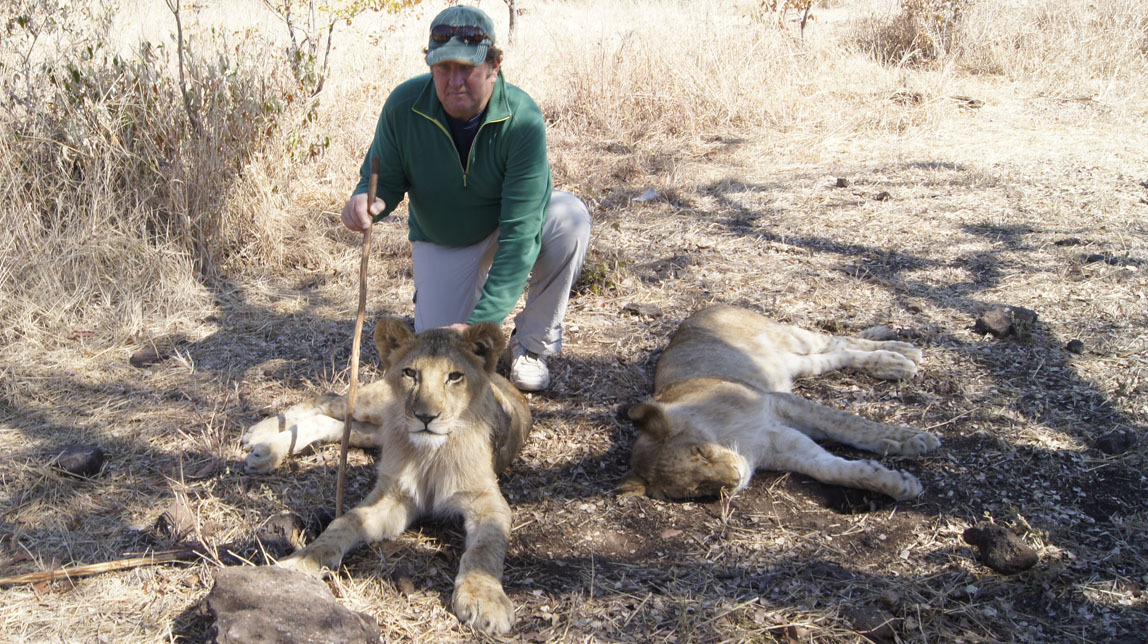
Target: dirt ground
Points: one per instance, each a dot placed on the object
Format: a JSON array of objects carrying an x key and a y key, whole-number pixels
[{"x": 1017, "y": 200}]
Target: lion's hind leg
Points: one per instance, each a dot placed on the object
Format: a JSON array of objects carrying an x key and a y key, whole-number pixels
[
  {"x": 884, "y": 359},
  {"x": 796, "y": 452},
  {"x": 819, "y": 421},
  {"x": 884, "y": 364}
]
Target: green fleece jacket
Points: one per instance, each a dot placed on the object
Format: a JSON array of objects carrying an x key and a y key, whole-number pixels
[{"x": 505, "y": 185}]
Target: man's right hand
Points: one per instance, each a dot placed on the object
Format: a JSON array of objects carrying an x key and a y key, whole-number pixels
[{"x": 355, "y": 214}]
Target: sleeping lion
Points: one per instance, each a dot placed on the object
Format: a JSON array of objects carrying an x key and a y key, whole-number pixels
[
  {"x": 722, "y": 408},
  {"x": 446, "y": 425}
]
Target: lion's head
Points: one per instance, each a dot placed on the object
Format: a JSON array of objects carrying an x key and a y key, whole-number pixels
[
  {"x": 669, "y": 462},
  {"x": 437, "y": 374}
]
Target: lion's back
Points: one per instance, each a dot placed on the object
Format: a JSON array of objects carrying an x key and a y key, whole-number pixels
[
  {"x": 511, "y": 432},
  {"x": 730, "y": 343}
]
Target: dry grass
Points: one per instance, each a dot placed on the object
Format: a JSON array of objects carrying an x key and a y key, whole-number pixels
[{"x": 969, "y": 176}]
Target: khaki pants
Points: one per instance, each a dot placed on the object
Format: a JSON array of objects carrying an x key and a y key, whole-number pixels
[{"x": 448, "y": 281}]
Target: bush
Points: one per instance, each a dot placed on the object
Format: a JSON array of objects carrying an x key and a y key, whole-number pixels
[
  {"x": 114, "y": 161},
  {"x": 923, "y": 31}
]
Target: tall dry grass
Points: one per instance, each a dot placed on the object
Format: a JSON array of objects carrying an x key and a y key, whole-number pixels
[
  {"x": 121, "y": 213},
  {"x": 123, "y": 179},
  {"x": 1066, "y": 49}
]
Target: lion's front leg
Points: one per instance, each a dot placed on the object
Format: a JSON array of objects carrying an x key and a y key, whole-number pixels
[
  {"x": 478, "y": 596},
  {"x": 321, "y": 420},
  {"x": 383, "y": 515}
]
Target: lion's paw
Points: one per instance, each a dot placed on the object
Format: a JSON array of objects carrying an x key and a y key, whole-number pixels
[
  {"x": 910, "y": 443},
  {"x": 312, "y": 560},
  {"x": 920, "y": 443},
  {"x": 268, "y": 443},
  {"x": 902, "y": 486},
  {"x": 904, "y": 348},
  {"x": 480, "y": 602},
  {"x": 889, "y": 365}
]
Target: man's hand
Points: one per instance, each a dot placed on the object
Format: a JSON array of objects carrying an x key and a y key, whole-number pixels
[{"x": 356, "y": 215}]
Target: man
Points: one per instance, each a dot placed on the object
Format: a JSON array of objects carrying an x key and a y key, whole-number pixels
[{"x": 469, "y": 149}]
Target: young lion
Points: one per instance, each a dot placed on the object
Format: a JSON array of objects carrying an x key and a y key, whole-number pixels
[
  {"x": 446, "y": 424},
  {"x": 722, "y": 408}
]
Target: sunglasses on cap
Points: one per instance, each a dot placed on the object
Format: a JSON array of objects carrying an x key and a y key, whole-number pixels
[{"x": 468, "y": 35}]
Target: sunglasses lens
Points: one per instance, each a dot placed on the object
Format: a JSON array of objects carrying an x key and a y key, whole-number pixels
[
  {"x": 442, "y": 33},
  {"x": 469, "y": 35}
]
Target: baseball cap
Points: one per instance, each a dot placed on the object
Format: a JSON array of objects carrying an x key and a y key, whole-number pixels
[{"x": 462, "y": 34}]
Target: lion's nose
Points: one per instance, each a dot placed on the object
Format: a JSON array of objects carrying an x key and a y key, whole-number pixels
[{"x": 426, "y": 419}]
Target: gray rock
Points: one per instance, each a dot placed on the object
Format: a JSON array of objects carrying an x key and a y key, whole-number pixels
[
  {"x": 271, "y": 605},
  {"x": 1005, "y": 321},
  {"x": 81, "y": 460},
  {"x": 1000, "y": 549}
]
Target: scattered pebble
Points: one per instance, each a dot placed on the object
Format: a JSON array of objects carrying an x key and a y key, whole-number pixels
[
  {"x": 1000, "y": 549},
  {"x": 1006, "y": 321},
  {"x": 1116, "y": 442},
  {"x": 81, "y": 460}
]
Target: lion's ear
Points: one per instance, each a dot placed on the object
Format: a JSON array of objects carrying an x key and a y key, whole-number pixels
[
  {"x": 389, "y": 334},
  {"x": 487, "y": 342},
  {"x": 632, "y": 485},
  {"x": 651, "y": 419}
]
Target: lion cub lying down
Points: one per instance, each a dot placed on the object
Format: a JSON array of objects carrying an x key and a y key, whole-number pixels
[
  {"x": 722, "y": 408},
  {"x": 446, "y": 425}
]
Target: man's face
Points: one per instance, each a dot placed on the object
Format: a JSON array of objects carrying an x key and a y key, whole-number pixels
[{"x": 464, "y": 90}]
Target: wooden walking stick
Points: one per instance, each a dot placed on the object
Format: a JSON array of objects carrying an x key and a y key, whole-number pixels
[{"x": 356, "y": 342}]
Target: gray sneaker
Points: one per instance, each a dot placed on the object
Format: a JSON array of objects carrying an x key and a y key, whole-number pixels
[{"x": 528, "y": 370}]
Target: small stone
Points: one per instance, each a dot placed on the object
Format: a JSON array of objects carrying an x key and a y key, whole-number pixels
[
  {"x": 175, "y": 522},
  {"x": 279, "y": 535},
  {"x": 1116, "y": 442},
  {"x": 1094, "y": 257},
  {"x": 1075, "y": 346},
  {"x": 1000, "y": 549},
  {"x": 842, "y": 182},
  {"x": 643, "y": 310},
  {"x": 81, "y": 460},
  {"x": 883, "y": 196},
  {"x": 146, "y": 357},
  {"x": 1005, "y": 321},
  {"x": 1068, "y": 241}
]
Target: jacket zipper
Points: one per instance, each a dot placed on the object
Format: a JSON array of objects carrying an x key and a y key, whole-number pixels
[{"x": 470, "y": 156}]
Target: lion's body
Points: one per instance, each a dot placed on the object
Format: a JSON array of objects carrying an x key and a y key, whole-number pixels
[
  {"x": 722, "y": 408},
  {"x": 446, "y": 425}
]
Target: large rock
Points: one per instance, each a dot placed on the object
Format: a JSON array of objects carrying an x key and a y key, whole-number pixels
[{"x": 272, "y": 605}]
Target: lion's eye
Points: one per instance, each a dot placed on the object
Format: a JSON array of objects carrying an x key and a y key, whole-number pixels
[
  {"x": 410, "y": 373},
  {"x": 454, "y": 376}
]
